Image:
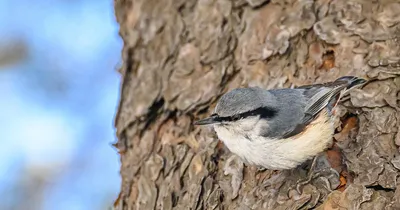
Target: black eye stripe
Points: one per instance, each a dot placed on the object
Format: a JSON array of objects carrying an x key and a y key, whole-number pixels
[
  {"x": 263, "y": 112},
  {"x": 235, "y": 117}
]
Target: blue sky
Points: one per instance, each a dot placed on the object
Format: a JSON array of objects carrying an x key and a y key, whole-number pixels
[{"x": 57, "y": 105}]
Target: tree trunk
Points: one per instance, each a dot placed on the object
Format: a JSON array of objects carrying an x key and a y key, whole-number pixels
[{"x": 179, "y": 56}]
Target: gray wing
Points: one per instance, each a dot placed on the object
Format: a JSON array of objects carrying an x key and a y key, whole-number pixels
[
  {"x": 299, "y": 106},
  {"x": 290, "y": 105},
  {"x": 328, "y": 94},
  {"x": 320, "y": 98}
]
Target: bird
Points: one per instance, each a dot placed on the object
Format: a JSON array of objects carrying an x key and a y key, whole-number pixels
[{"x": 279, "y": 129}]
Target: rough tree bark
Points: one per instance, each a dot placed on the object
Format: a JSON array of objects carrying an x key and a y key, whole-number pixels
[{"x": 179, "y": 56}]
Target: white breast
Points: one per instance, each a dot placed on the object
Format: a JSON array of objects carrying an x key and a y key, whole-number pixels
[{"x": 284, "y": 153}]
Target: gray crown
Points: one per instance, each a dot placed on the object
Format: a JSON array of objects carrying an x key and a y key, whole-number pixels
[{"x": 243, "y": 100}]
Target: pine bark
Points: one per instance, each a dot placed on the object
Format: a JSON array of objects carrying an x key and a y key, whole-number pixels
[{"x": 180, "y": 56}]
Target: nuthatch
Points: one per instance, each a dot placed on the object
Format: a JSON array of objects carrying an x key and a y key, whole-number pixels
[{"x": 280, "y": 128}]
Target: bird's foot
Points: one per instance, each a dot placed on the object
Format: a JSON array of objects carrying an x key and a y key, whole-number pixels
[
  {"x": 316, "y": 174},
  {"x": 300, "y": 183},
  {"x": 309, "y": 177}
]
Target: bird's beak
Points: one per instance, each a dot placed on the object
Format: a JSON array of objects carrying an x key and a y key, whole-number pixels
[{"x": 207, "y": 121}]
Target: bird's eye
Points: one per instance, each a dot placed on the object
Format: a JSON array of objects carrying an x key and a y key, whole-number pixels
[{"x": 235, "y": 117}]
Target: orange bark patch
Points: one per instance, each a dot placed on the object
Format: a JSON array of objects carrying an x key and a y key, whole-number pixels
[
  {"x": 348, "y": 125},
  {"x": 343, "y": 181},
  {"x": 328, "y": 60}
]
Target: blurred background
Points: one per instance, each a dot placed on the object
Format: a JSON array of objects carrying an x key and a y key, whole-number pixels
[{"x": 59, "y": 92}]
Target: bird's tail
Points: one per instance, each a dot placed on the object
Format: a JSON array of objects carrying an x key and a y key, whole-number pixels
[
  {"x": 329, "y": 94},
  {"x": 347, "y": 83},
  {"x": 352, "y": 82}
]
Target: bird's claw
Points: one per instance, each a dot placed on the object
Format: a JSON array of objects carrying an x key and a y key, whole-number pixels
[
  {"x": 305, "y": 181},
  {"x": 310, "y": 176},
  {"x": 314, "y": 175}
]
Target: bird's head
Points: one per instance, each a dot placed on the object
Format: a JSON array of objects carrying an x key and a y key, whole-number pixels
[{"x": 242, "y": 109}]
